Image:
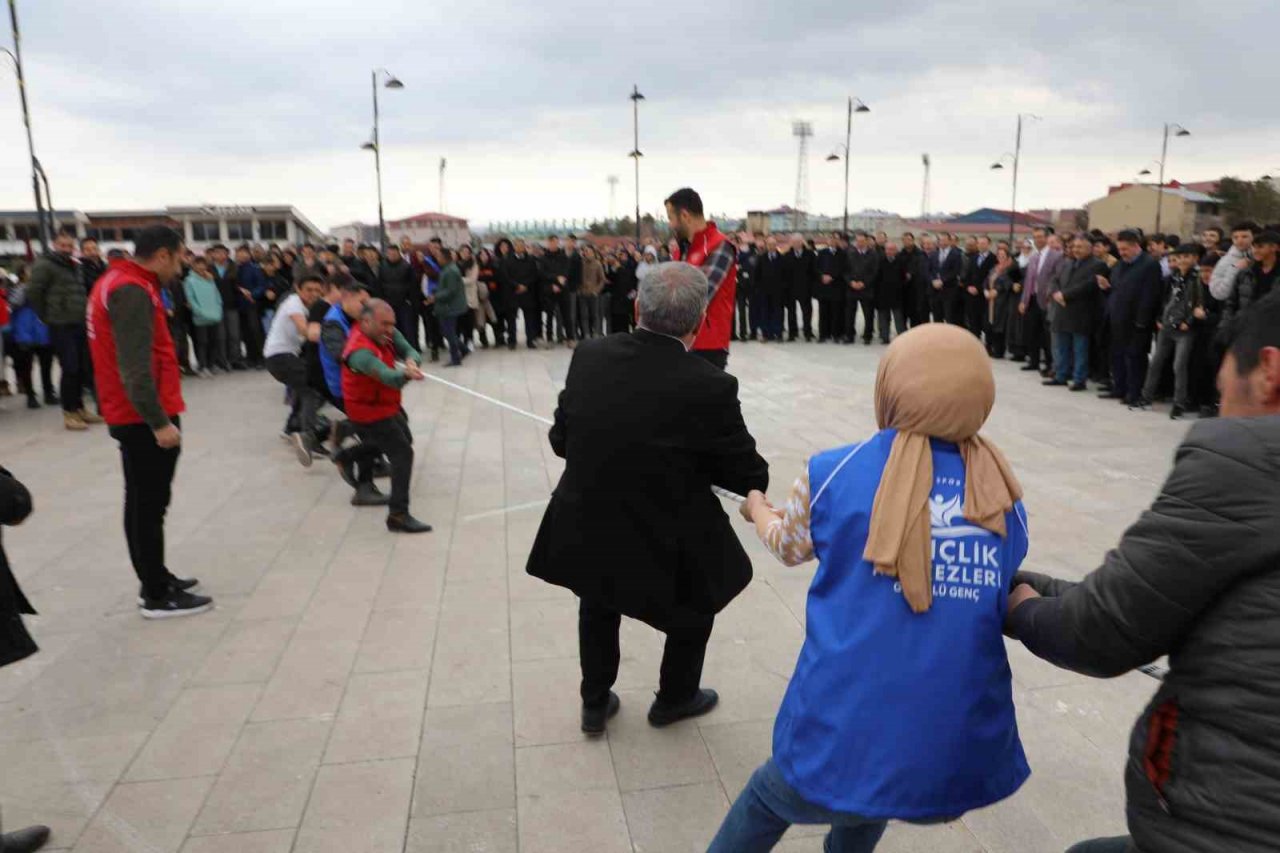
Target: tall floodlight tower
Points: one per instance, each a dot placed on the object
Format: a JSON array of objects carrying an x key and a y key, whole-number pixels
[
  {"x": 801, "y": 130},
  {"x": 612, "y": 180}
]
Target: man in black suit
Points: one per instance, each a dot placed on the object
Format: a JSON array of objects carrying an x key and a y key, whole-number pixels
[
  {"x": 771, "y": 285},
  {"x": 803, "y": 269},
  {"x": 945, "y": 267},
  {"x": 980, "y": 265},
  {"x": 633, "y": 527},
  {"x": 861, "y": 273},
  {"x": 831, "y": 287}
]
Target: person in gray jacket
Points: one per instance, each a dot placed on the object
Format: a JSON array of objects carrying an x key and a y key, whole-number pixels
[{"x": 1197, "y": 578}]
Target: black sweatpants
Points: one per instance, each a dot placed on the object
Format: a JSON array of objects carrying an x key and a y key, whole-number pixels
[
  {"x": 598, "y": 653},
  {"x": 72, "y": 346},
  {"x": 148, "y": 481}
]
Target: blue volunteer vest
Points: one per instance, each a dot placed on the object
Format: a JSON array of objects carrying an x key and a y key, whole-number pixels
[
  {"x": 332, "y": 369},
  {"x": 891, "y": 714}
]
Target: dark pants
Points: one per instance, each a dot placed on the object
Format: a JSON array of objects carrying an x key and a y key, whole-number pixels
[
  {"x": 72, "y": 346},
  {"x": 432, "y": 339},
  {"x": 589, "y": 323},
  {"x": 598, "y": 651},
  {"x": 830, "y": 318},
  {"x": 742, "y": 315},
  {"x": 208, "y": 344},
  {"x": 178, "y": 331},
  {"x": 805, "y": 316},
  {"x": 899, "y": 315},
  {"x": 567, "y": 312},
  {"x": 148, "y": 482},
  {"x": 1129, "y": 364},
  {"x": 954, "y": 305},
  {"x": 528, "y": 304},
  {"x": 251, "y": 331},
  {"x": 773, "y": 311},
  {"x": 407, "y": 321},
  {"x": 975, "y": 312},
  {"x": 1178, "y": 345},
  {"x": 851, "y": 305},
  {"x": 24, "y": 358},
  {"x": 1036, "y": 336},
  {"x": 231, "y": 353},
  {"x": 291, "y": 371},
  {"x": 449, "y": 328},
  {"x": 718, "y": 357},
  {"x": 392, "y": 436}
]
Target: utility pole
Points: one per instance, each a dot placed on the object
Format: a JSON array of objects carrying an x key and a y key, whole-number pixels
[
  {"x": 636, "y": 98},
  {"x": 16, "y": 56},
  {"x": 612, "y": 181},
  {"x": 802, "y": 130},
  {"x": 924, "y": 196},
  {"x": 442, "y": 165}
]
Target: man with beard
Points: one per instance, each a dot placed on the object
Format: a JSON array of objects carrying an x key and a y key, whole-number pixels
[
  {"x": 862, "y": 270},
  {"x": 832, "y": 261},
  {"x": 702, "y": 245}
]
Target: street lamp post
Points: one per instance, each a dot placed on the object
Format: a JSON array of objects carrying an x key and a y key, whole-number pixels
[
  {"x": 848, "y": 138},
  {"x": 635, "y": 154},
  {"x": 1017, "y": 157},
  {"x": 375, "y": 145},
  {"x": 16, "y": 56},
  {"x": 1179, "y": 130}
]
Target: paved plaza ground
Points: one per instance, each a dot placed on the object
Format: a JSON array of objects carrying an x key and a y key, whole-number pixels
[{"x": 360, "y": 691}]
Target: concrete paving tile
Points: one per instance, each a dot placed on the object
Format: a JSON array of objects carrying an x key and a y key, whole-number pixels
[
  {"x": 467, "y": 760},
  {"x": 548, "y": 708},
  {"x": 491, "y": 831},
  {"x": 197, "y": 735},
  {"x": 737, "y": 749},
  {"x": 682, "y": 819},
  {"x": 380, "y": 717},
  {"x": 544, "y": 629},
  {"x": 556, "y": 769},
  {"x": 573, "y": 822},
  {"x": 267, "y": 779},
  {"x": 150, "y": 816},
  {"x": 272, "y": 841},
  {"x": 646, "y": 757},
  {"x": 358, "y": 807},
  {"x": 397, "y": 640},
  {"x": 248, "y": 651}
]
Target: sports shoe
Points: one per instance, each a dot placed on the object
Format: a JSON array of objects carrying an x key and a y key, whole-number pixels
[
  {"x": 662, "y": 714},
  {"x": 176, "y": 603},
  {"x": 1055, "y": 383},
  {"x": 402, "y": 522},
  {"x": 90, "y": 417},
  {"x": 180, "y": 584},
  {"x": 347, "y": 471},
  {"x": 302, "y": 446},
  {"x": 73, "y": 422},
  {"x": 594, "y": 719}
]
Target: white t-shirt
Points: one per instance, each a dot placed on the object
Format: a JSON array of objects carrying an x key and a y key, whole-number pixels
[{"x": 283, "y": 337}]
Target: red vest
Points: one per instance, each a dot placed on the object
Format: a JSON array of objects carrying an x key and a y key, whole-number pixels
[
  {"x": 714, "y": 334},
  {"x": 113, "y": 402},
  {"x": 368, "y": 400}
]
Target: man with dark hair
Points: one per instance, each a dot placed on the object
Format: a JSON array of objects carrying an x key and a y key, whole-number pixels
[
  {"x": 981, "y": 262},
  {"x": 348, "y": 253},
  {"x": 703, "y": 246},
  {"x": 224, "y": 275},
  {"x": 771, "y": 289},
  {"x": 252, "y": 283},
  {"x": 554, "y": 269},
  {"x": 1135, "y": 287},
  {"x": 140, "y": 395},
  {"x": 1075, "y": 290},
  {"x": 92, "y": 266},
  {"x": 1211, "y": 239},
  {"x": 522, "y": 276},
  {"x": 861, "y": 272},
  {"x": 801, "y": 268},
  {"x": 1042, "y": 268},
  {"x": 56, "y": 293},
  {"x": 946, "y": 299},
  {"x": 916, "y": 298},
  {"x": 1194, "y": 578},
  {"x": 832, "y": 262},
  {"x": 283, "y": 351},
  {"x": 1237, "y": 259},
  {"x": 743, "y": 328},
  {"x": 1158, "y": 248},
  {"x": 399, "y": 288},
  {"x": 371, "y": 386}
]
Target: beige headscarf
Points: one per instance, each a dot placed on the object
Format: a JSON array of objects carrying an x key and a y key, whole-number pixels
[{"x": 935, "y": 380}]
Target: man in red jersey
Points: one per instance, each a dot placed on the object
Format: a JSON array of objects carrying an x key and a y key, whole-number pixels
[
  {"x": 140, "y": 397},
  {"x": 703, "y": 246}
]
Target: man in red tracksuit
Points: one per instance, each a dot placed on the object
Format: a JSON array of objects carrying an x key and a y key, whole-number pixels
[
  {"x": 140, "y": 396},
  {"x": 703, "y": 246}
]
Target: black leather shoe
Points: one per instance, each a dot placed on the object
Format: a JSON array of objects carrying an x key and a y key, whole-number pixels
[
  {"x": 1110, "y": 395},
  {"x": 402, "y": 522},
  {"x": 1053, "y": 382},
  {"x": 1079, "y": 386},
  {"x": 594, "y": 719},
  {"x": 24, "y": 840},
  {"x": 1176, "y": 413},
  {"x": 662, "y": 714},
  {"x": 1031, "y": 367},
  {"x": 367, "y": 494}
]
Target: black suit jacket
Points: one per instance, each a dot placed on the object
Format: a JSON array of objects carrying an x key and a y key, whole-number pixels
[
  {"x": 772, "y": 275},
  {"x": 948, "y": 270},
  {"x": 645, "y": 430},
  {"x": 863, "y": 267},
  {"x": 976, "y": 271}
]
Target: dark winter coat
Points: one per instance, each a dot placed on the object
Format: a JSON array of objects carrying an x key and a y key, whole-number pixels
[
  {"x": 1197, "y": 578},
  {"x": 56, "y": 292},
  {"x": 1078, "y": 283},
  {"x": 891, "y": 282},
  {"x": 771, "y": 275},
  {"x": 1134, "y": 300},
  {"x": 397, "y": 281},
  {"x": 863, "y": 267},
  {"x": 15, "y": 642},
  {"x": 645, "y": 430}
]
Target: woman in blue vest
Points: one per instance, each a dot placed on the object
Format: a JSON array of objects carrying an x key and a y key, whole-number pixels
[{"x": 901, "y": 705}]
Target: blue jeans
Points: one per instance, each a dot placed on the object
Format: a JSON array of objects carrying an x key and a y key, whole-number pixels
[
  {"x": 768, "y": 805},
  {"x": 1071, "y": 353}
]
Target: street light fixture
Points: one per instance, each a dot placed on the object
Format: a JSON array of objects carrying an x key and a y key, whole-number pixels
[
  {"x": 16, "y": 56},
  {"x": 635, "y": 154},
  {"x": 375, "y": 145},
  {"x": 1016, "y": 156},
  {"x": 855, "y": 106},
  {"x": 1178, "y": 130}
]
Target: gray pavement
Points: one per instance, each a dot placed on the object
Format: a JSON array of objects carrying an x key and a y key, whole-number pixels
[{"x": 358, "y": 691}]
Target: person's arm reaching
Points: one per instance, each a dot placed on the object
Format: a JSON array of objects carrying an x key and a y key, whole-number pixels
[
  {"x": 404, "y": 351},
  {"x": 716, "y": 267},
  {"x": 785, "y": 534},
  {"x": 366, "y": 362},
  {"x": 1196, "y": 540},
  {"x": 130, "y": 309},
  {"x": 729, "y": 453}
]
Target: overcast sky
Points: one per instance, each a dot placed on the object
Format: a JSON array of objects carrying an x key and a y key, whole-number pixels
[{"x": 141, "y": 103}]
